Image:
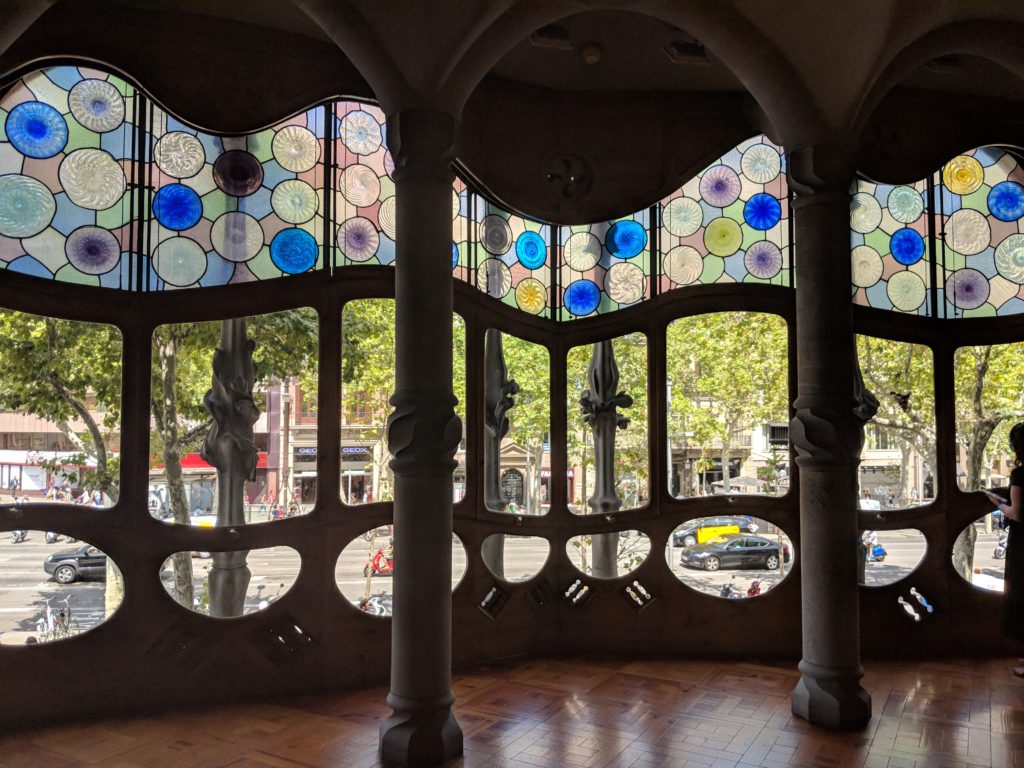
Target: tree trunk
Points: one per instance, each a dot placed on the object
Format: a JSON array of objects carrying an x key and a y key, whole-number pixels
[{"x": 167, "y": 351}]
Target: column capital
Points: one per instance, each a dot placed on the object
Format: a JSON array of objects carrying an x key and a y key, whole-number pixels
[
  {"x": 821, "y": 172},
  {"x": 423, "y": 432},
  {"x": 422, "y": 143}
]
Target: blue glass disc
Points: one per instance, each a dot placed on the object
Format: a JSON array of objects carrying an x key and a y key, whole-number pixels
[
  {"x": 762, "y": 211},
  {"x": 177, "y": 207},
  {"x": 625, "y": 239},
  {"x": 455, "y": 255},
  {"x": 293, "y": 251},
  {"x": 36, "y": 129},
  {"x": 582, "y": 297},
  {"x": 906, "y": 246},
  {"x": 531, "y": 250},
  {"x": 1006, "y": 201}
]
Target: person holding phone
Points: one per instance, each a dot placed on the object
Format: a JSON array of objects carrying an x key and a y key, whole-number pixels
[{"x": 1013, "y": 591}]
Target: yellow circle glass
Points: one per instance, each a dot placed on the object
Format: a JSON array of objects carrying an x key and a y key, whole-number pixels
[
  {"x": 962, "y": 175},
  {"x": 723, "y": 237},
  {"x": 531, "y": 296}
]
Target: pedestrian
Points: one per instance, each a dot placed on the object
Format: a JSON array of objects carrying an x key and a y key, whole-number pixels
[{"x": 1013, "y": 589}]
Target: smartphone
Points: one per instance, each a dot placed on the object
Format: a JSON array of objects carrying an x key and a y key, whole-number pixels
[{"x": 994, "y": 498}]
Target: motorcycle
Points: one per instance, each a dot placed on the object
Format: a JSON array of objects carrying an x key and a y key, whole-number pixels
[
  {"x": 754, "y": 589},
  {"x": 18, "y": 536},
  {"x": 382, "y": 563},
  {"x": 728, "y": 592},
  {"x": 876, "y": 554},
  {"x": 51, "y": 537},
  {"x": 1000, "y": 551}
]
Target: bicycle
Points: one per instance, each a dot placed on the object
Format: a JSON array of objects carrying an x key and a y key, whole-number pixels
[{"x": 59, "y": 624}]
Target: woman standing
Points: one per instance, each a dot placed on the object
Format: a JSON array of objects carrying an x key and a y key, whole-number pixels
[{"x": 1013, "y": 591}]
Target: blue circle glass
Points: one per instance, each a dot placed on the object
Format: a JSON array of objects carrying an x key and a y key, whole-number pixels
[
  {"x": 293, "y": 251},
  {"x": 177, "y": 207},
  {"x": 455, "y": 255},
  {"x": 36, "y": 129},
  {"x": 582, "y": 297},
  {"x": 906, "y": 246},
  {"x": 531, "y": 250},
  {"x": 625, "y": 239},
  {"x": 1006, "y": 201},
  {"x": 762, "y": 211}
]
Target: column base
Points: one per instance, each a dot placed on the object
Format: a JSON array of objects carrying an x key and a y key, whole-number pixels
[
  {"x": 831, "y": 697},
  {"x": 419, "y": 733}
]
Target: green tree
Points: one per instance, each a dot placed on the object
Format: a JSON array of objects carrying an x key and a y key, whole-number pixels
[{"x": 728, "y": 372}]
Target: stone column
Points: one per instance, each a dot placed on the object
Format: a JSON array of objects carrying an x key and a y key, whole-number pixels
[
  {"x": 423, "y": 434},
  {"x": 826, "y": 431},
  {"x": 230, "y": 447},
  {"x": 600, "y": 406}
]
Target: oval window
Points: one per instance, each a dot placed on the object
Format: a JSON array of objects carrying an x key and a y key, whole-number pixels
[
  {"x": 273, "y": 571},
  {"x": 521, "y": 557},
  {"x": 979, "y": 553},
  {"x": 730, "y": 556},
  {"x": 890, "y": 556},
  {"x": 608, "y": 555},
  {"x": 59, "y": 587},
  {"x": 364, "y": 568}
]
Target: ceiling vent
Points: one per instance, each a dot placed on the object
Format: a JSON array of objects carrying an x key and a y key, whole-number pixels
[
  {"x": 552, "y": 36},
  {"x": 685, "y": 52}
]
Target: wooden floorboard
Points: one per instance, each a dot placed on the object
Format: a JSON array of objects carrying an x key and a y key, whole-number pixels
[{"x": 586, "y": 714}]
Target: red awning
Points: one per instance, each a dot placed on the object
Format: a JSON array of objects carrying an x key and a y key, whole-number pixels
[{"x": 195, "y": 461}]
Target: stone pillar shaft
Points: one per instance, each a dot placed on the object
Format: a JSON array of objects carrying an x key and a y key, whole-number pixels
[
  {"x": 423, "y": 433},
  {"x": 827, "y": 436}
]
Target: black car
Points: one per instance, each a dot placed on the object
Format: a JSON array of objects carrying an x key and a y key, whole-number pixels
[
  {"x": 687, "y": 535},
  {"x": 735, "y": 550},
  {"x": 73, "y": 564}
]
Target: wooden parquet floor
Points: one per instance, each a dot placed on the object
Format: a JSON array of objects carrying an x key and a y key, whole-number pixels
[{"x": 545, "y": 713}]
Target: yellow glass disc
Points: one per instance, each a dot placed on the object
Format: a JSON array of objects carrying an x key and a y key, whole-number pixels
[
  {"x": 531, "y": 296},
  {"x": 723, "y": 237},
  {"x": 962, "y": 175}
]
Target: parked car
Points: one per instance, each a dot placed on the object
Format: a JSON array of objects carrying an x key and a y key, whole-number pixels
[
  {"x": 705, "y": 528},
  {"x": 735, "y": 550},
  {"x": 73, "y": 564}
]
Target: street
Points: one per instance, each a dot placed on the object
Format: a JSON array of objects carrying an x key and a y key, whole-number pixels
[{"x": 24, "y": 587}]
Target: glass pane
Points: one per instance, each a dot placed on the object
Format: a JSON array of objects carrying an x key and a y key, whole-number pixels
[
  {"x": 60, "y": 392},
  {"x": 728, "y": 395},
  {"x": 627, "y": 480},
  {"x": 730, "y": 557},
  {"x": 897, "y": 467},
  {"x": 367, "y": 383},
  {"x": 273, "y": 572},
  {"x": 282, "y": 456},
  {"x": 981, "y": 214},
  {"x": 604, "y": 266},
  {"x": 513, "y": 258},
  {"x": 608, "y": 555},
  {"x": 891, "y": 556},
  {"x": 524, "y": 473},
  {"x": 364, "y": 192},
  {"x": 985, "y": 541},
  {"x": 363, "y": 570},
  {"x": 232, "y": 209},
  {"x": 729, "y": 224},
  {"x": 890, "y": 247},
  {"x": 55, "y": 587},
  {"x": 524, "y": 556},
  {"x": 66, "y": 147}
]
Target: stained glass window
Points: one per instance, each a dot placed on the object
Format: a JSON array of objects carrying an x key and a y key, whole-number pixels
[
  {"x": 65, "y": 169},
  {"x": 461, "y": 258},
  {"x": 889, "y": 246},
  {"x": 364, "y": 192},
  {"x": 730, "y": 223},
  {"x": 234, "y": 209},
  {"x": 980, "y": 216},
  {"x": 513, "y": 259},
  {"x": 605, "y": 266}
]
